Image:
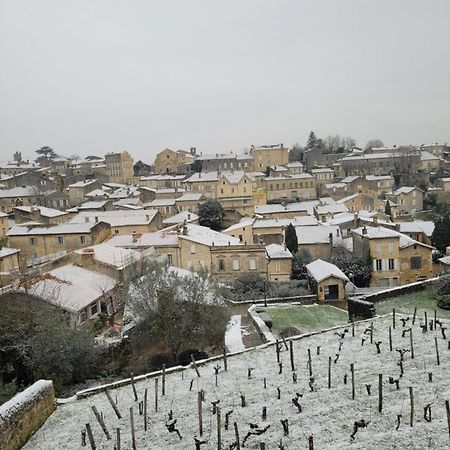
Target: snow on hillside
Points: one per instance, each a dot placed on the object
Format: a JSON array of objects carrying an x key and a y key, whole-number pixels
[{"x": 326, "y": 414}]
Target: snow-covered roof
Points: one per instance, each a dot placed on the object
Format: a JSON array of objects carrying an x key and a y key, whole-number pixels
[
  {"x": 335, "y": 185},
  {"x": 284, "y": 222},
  {"x": 181, "y": 217},
  {"x": 322, "y": 170},
  {"x": 379, "y": 177},
  {"x": 294, "y": 176},
  {"x": 276, "y": 251},
  {"x": 244, "y": 222},
  {"x": 203, "y": 177},
  {"x": 418, "y": 226},
  {"x": 97, "y": 193},
  {"x": 317, "y": 235},
  {"x": 44, "y": 211},
  {"x": 6, "y": 251},
  {"x": 278, "y": 208},
  {"x": 405, "y": 190},
  {"x": 115, "y": 218},
  {"x": 190, "y": 197},
  {"x": 82, "y": 183},
  {"x": 160, "y": 202},
  {"x": 71, "y": 287},
  {"x": 294, "y": 164},
  {"x": 66, "y": 228},
  {"x": 321, "y": 270},
  {"x": 112, "y": 255},
  {"x": 331, "y": 209},
  {"x": 93, "y": 205},
  {"x": 445, "y": 260},
  {"x": 206, "y": 236},
  {"x": 20, "y": 191},
  {"x": 427, "y": 156},
  {"x": 162, "y": 238},
  {"x": 349, "y": 197},
  {"x": 350, "y": 179}
]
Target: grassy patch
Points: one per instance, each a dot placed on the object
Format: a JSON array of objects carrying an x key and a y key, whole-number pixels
[
  {"x": 405, "y": 304},
  {"x": 306, "y": 318}
]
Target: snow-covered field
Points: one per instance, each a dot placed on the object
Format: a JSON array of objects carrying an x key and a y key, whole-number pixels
[{"x": 327, "y": 414}]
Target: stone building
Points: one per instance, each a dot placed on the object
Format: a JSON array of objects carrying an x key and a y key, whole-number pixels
[
  {"x": 330, "y": 280},
  {"x": 168, "y": 161},
  {"x": 119, "y": 167},
  {"x": 226, "y": 162},
  {"x": 269, "y": 155},
  {"x": 408, "y": 198},
  {"x": 291, "y": 187}
]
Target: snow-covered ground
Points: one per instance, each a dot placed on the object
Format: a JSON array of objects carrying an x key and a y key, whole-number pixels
[
  {"x": 233, "y": 335},
  {"x": 327, "y": 414}
]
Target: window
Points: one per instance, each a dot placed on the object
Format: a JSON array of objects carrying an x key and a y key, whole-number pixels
[
  {"x": 235, "y": 264},
  {"x": 60, "y": 240},
  {"x": 82, "y": 239},
  {"x": 378, "y": 264},
  {"x": 221, "y": 264},
  {"x": 192, "y": 248},
  {"x": 116, "y": 231},
  {"x": 252, "y": 264},
  {"x": 167, "y": 209},
  {"x": 391, "y": 247},
  {"x": 170, "y": 259},
  {"x": 33, "y": 241},
  {"x": 391, "y": 264},
  {"x": 416, "y": 262},
  {"x": 94, "y": 309}
]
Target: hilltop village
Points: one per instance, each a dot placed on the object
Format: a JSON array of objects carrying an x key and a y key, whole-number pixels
[{"x": 112, "y": 268}]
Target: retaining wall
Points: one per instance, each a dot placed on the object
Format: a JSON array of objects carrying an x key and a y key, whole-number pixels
[{"x": 24, "y": 414}]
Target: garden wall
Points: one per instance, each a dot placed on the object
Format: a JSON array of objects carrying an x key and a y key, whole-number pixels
[
  {"x": 24, "y": 414},
  {"x": 303, "y": 299}
]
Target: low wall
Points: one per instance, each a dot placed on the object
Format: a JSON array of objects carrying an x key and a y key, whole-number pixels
[
  {"x": 24, "y": 414},
  {"x": 304, "y": 299},
  {"x": 359, "y": 309}
]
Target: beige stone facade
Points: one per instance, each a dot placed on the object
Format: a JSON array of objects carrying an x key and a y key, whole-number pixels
[
  {"x": 298, "y": 186},
  {"x": 9, "y": 265},
  {"x": 119, "y": 167},
  {"x": 168, "y": 161},
  {"x": 408, "y": 199},
  {"x": 267, "y": 156}
]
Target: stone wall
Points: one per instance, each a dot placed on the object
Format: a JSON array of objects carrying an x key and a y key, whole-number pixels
[{"x": 24, "y": 414}]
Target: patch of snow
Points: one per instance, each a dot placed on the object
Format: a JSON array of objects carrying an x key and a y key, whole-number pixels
[{"x": 233, "y": 335}]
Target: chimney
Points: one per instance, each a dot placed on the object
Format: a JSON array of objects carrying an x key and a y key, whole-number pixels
[
  {"x": 375, "y": 220},
  {"x": 135, "y": 236},
  {"x": 87, "y": 254},
  {"x": 193, "y": 151},
  {"x": 364, "y": 230},
  {"x": 17, "y": 157},
  {"x": 189, "y": 216},
  {"x": 96, "y": 219}
]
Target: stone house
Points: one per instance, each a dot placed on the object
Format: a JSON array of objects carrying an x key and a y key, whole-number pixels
[
  {"x": 19, "y": 196},
  {"x": 40, "y": 214},
  {"x": 189, "y": 202},
  {"x": 166, "y": 207},
  {"x": 162, "y": 181},
  {"x": 292, "y": 187},
  {"x": 270, "y": 155},
  {"x": 359, "y": 202},
  {"x": 4, "y": 224},
  {"x": 226, "y": 161},
  {"x": 9, "y": 265},
  {"x": 242, "y": 230},
  {"x": 203, "y": 183},
  {"x": 119, "y": 167},
  {"x": 281, "y": 210},
  {"x": 77, "y": 191},
  {"x": 396, "y": 258},
  {"x": 378, "y": 185},
  {"x": 56, "y": 199},
  {"x": 419, "y": 230},
  {"x": 319, "y": 240},
  {"x": 323, "y": 175},
  {"x": 330, "y": 280},
  {"x": 81, "y": 293},
  {"x": 168, "y": 161},
  {"x": 429, "y": 162},
  {"x": 408, "y": 199},
  {"x": 122, "y": 221},
  {"x": 324, "y": 212},
  {"x": 41, "y": 243},
  {"x": 279, "y": 263}
]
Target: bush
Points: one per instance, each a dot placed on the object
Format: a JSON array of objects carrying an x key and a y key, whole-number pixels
[{"x": 444, "y": 302}]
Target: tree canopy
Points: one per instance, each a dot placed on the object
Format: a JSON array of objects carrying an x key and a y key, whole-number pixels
[
  {"x": 46, "y": 154},
  {"x": 211, "y": 215},
  {"x": 441, "y": 233}
]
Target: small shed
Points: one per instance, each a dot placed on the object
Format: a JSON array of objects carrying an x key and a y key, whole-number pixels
[{"x": 330, "y": 280}]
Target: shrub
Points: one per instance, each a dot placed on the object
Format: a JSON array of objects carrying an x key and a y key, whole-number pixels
[{"x": 444, "y": 302}]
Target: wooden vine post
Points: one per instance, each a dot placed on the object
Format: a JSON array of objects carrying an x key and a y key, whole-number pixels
[
  {"x": 90, "y": 436},
  {"x": 393, "y": 318},
  {"x": 225, "y": 362},
  {"x": 163, "y": 384},
  {"x": 195, "y": 366},
  {"x": 390, "y": 339},
  {"x": 411, "y": 400},
  {"x": 380, "y": 392},
  {"x": 117, "y": 438},
  {"x": 236, "y": 433},
  {"x": 329, "y": 372},
  {"x": 291, "y": 352},
  {"x": 447, "y": 407},
  {"x": 101, "y": 422},
  {"x": 133, "y": 435},
  {"x": 156, "y": 394},
  {"x": 113, "y": 404},
  {"x": 134, "y": 388},
  {"x": 437, "y": 351},
  {"x": 411, "y": 341},
  {"x": 145, "y": 409},
  {"x": 219, "y": 435},
  {"x": 309, "y": 362},
  {"x": 200, "y": 413},
  {"x": 352, "y": 370}
]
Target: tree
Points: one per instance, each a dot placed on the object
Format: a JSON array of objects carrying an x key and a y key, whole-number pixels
[
  {"x": 441, "y": 233},
  {"x": 312, "y": 141},
  {"x": 290, "y": 238},
  {"x": 374, "y": 143},
  {"x": 35, "y": 342},
  {"x": 174, "y": 310},
  {"x": 356, "y": 269},
  {"x": 387, "y": 208},
  {"x": 197, "y": 166},
  {"x": 296, "y": 152},
  {"x": 46, "y": 154},
  {"x": 301, "y": 259},
  {"x": 211, "y": 215}
]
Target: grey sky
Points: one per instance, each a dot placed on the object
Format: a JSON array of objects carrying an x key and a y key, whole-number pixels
[{"x": 92, "y": 76}]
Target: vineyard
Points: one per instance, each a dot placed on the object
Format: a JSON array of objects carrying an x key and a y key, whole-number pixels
[{"x": 375, "y": 384}]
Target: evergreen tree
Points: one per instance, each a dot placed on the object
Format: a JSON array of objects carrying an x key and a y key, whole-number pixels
[
  {"x": 312, "y": 140},
  {"x": 387, "y": 208},
  {"x": 211, "y": 215},
  {"x": 441, "y": 233},
  {"x": 46, "y": 154},
  {"x": 290, "y": 238}
]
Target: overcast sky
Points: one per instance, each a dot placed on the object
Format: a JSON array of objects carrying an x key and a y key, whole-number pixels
[{"x": 93, "y": 76}]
